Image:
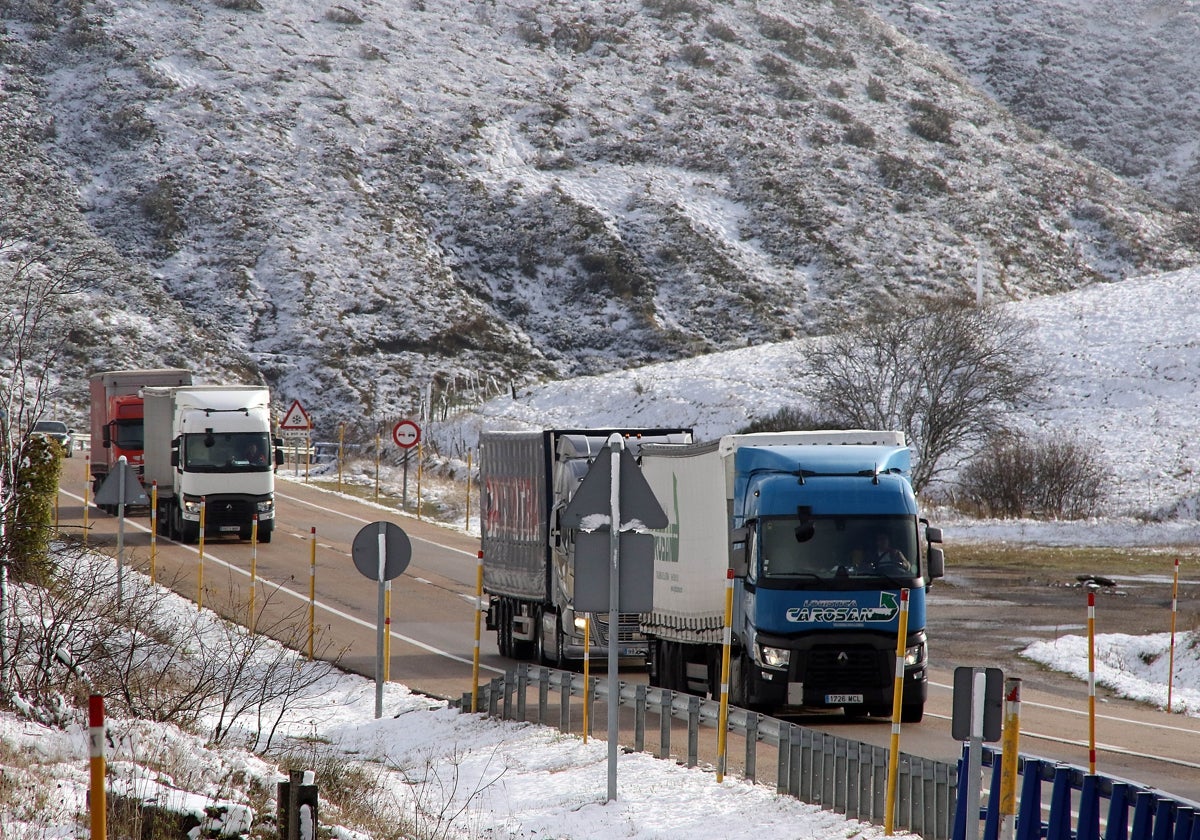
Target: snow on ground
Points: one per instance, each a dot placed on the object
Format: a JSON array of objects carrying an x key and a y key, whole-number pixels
[{"x": 441, "y": 770}]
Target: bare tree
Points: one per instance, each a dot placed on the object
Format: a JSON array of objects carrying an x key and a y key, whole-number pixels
[
  {"x": 37, "y": 278},
  {"x": 943, "y": 372}
]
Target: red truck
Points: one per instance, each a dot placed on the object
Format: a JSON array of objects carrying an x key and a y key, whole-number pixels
[{"x": 117, "y": 412}]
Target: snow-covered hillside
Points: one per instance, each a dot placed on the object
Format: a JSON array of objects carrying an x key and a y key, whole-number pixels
[
  {"x": 368, "y": 201},
  {"x": 1124, "y": 378},
  {"x": 1112, "y": 79}
]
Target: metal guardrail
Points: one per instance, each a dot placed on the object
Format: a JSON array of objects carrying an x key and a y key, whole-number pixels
[
  {"x": 841, "y": 775},
  {"x": 850, "y": 777}
]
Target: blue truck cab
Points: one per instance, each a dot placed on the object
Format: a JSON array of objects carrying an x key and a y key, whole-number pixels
[
  {"x": 832, "y": 535},
  {"x": 822, "y": 533}
]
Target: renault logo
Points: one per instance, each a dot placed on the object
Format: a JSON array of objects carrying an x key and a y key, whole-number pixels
[{"x": 843, "y": 657}]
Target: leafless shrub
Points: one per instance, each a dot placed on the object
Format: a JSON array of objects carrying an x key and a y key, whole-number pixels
[
  {"x": 876, "y": 90},
  {"x": 696, "y": 55},
  {"x": 773, "y": 65},
  {"x": 722, "y": 32},
  {"x": 342, "y": 15},
  {"x": 1053, "y": 477},
  {"x": 74, "y": 637},
  {"x": 930, "y": 121},
  {"x": 859, "y": 134},
  {"x": 674, "y": 8}
]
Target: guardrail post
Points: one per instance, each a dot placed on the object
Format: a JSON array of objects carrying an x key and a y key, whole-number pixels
[
  {"x": 1185, "y": 818},
  {"x": 543, "y": 694},
  {"x": 506, "y": 687},
  {"x": 564, "y": 701},
  {"x": 991, "y": 824},
  {"x": 880, "y": 756},
  {"x": 1164, "y": 822},
  {"x": 639, "y": 718},
  {"x": 1029, "y": 816},
  {"x": 522, "y": 687},
  {"x": 1143, "y": 816},
  {"x": 693, "y": 731},
  {"x": 960, "y": 802},
  {"x": 751, "y": 746},
  {"x": 1117, "y": 825},
  {"x": 841, "y": 764},
  {"x": 785, "y": 757},
  {"x": 589, "y": 697},
  {"x": 1088, "y": 826},
  {"x": 666, "y": 700},
  {"x": 1059, "y": 824},
  {"x": 796, "y": 759}
]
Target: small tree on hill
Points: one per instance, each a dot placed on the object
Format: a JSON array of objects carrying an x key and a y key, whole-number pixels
[{"x": 943, "y": 372}]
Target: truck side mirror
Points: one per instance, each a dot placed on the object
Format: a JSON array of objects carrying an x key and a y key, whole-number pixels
[
  {"x": 937, "y": 563},
  {"x": 738, "y": 560},
  {"x": 278, "y": 456},
  {"x": 106, "y": 435},
  {"x": 933, "y": 535}
]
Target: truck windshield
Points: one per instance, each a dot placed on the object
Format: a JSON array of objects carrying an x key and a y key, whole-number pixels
[
  {"x": 129, "y": 434},
  {"x": 227, "y": 452},
  {"x": 839, "y": 547}
]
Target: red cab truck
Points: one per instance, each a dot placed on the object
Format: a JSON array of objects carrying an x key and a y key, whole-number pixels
[{"x": 117, "y": 415}]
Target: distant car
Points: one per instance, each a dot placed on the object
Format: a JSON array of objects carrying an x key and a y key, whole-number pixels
[{"x": 57, "y": 430}]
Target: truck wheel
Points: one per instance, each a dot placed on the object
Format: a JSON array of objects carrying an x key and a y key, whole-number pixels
[
  {"x": 504, "y": 628},
  {"x": 264, "y": 534},
  {"x": 186, "y": 531},
  {"x": 912, "y": 713}
]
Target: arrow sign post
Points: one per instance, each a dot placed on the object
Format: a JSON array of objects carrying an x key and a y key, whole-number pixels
[
  {"x": 629, "y": 506},
  {"x": 381, "y": 551},
  {"x": 121, "y": 488}
]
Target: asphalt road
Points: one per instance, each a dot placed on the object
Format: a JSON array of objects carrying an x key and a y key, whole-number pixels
[{"x": 433, "y": 620}]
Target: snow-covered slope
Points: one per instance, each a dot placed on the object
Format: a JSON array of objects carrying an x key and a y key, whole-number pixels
[
  {"x": 375, "y": 202},
  {"x": 1123, "y": 378}
]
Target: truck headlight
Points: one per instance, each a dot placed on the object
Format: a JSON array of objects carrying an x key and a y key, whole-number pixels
[
  {"x": 191, "y": 506},
  {"x": 580, "y": 623},
  {"x": 266, "y": 506},
  {"x": 773, "y": 657},
  {"x": 915, "y": 654}
]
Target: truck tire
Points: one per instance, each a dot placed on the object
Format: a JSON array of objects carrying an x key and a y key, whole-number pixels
[
  {"x": 504, "y": 628},
  {"x": 186, "y": 532},
  {"x": 912, "y": 713},
  {"x": 264, "y": 534}
]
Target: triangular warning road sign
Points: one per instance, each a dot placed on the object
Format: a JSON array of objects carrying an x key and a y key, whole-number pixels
[{"x": 296, "y": 419}]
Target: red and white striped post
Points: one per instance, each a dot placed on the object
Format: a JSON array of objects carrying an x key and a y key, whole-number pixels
[
  {"x": 1091, "y": 621},
  {"x": 96, "y": 794}
]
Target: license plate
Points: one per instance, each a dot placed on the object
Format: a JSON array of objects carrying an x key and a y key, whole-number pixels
[
  {"x": 843, "y": 699},
  {"x": 230, "y": 528}
]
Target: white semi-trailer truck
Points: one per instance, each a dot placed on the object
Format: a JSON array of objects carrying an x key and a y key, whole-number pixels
[{"x": 211, "y": 446}]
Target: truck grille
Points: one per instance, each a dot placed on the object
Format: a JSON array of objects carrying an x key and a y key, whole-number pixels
[
  {"x": 228, "y": 512},
  {"x": 628, "y": 628},
  {"x": 846, "y": 667}
]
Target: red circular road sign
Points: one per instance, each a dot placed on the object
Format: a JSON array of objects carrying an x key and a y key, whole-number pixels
[{"x": 407, "y": 434}]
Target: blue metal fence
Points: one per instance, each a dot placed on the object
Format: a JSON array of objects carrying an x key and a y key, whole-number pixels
[{"x": 1080, "y": 807}]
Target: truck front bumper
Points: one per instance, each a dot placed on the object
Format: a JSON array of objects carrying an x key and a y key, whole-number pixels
[{"x": 849, "y": 670}]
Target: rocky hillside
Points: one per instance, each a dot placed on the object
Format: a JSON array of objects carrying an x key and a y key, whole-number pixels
[{"x": 379, "y": 204}]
